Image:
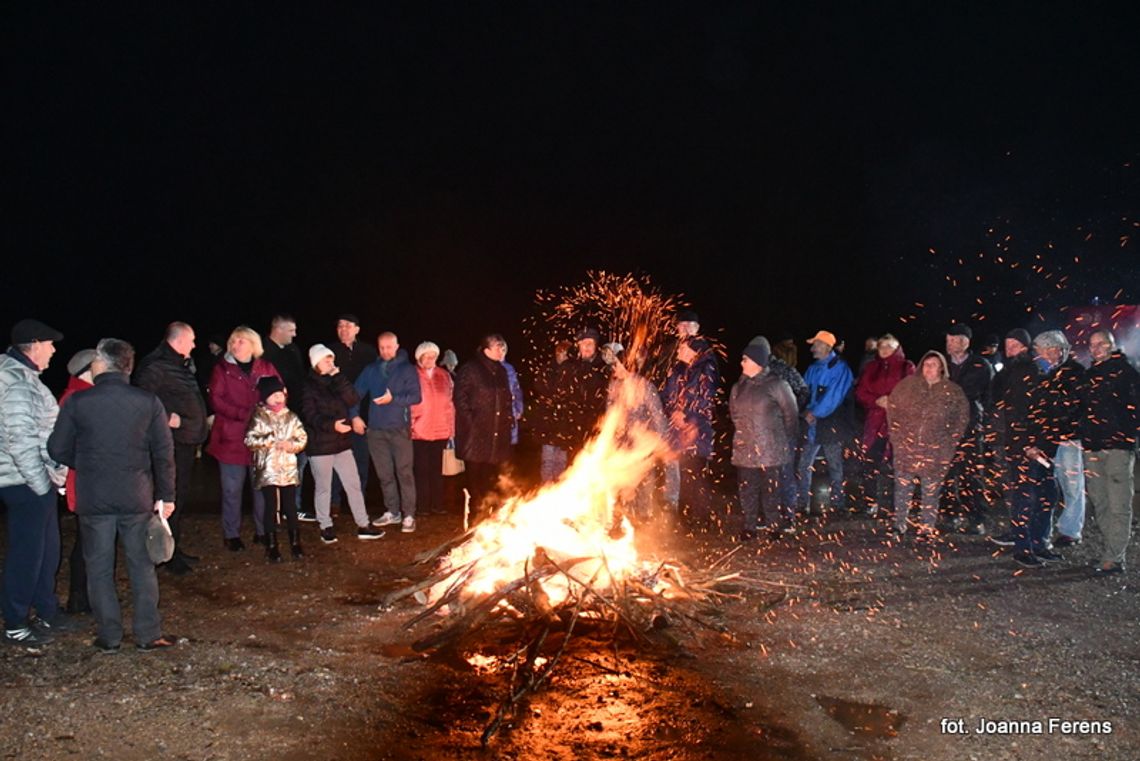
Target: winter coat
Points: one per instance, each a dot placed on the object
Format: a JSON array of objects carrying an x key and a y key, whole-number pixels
[
  {"x": 74, "y": 385},
  {"x": 398, "y": 376},
  {"x": 765, "y": 416},
  {"x": 433, "y": 419},
  {"x": 586, "y": 385},
  {"x": 517, "y": 405},
  {"x": 1111, "y": 398},
  {"x": 272, "y": 466},
  {"x": 328, "y": 398},
  {"x": 483, "y": 411},
  {"x": 926, "y": 423},
  {"x": 829, "y": 380},
  {"x": 549, "y": 418},
  {"x": 173, "y": 379},
  {"x": 792, "y": 377},
  {"x": 974, "y": 375},
  {"x": 292, "y": 369},
  {"x": 691, "y": 390},
  {"x": 878, "y": 378},
  {"x": 117, "y": 437},
  {"x": 1011, "y": 392},
  {"x": 233, "y": 395},
  {"x": 27, "y": 414},
  {"x": 1055, "y": 408}
]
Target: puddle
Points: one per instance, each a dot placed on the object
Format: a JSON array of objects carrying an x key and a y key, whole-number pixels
[{"x": 864, "y": 719}]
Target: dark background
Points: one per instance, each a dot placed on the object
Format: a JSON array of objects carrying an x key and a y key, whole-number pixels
[{"x": 786, "y": 167}]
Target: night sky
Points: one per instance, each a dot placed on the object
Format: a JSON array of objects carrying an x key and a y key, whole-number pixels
[{"x": 787, "y": 167}]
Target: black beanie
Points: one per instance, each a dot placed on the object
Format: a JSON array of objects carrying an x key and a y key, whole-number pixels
[
  {"x": 1021, "y": 335},
  {"x": 268, "y": 386}
]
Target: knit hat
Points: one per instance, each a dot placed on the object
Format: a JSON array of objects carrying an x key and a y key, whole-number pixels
[
  {"x": 449, "y": 360},
  {"x": 29, "y": 331},
  {"x": 960, "y": 330},
  {"x": 269, "y": 385},
  {"x": 317, "y": 352},
  {"x": 825, "y": 336},
  {"x": 81, "y": 362},
  {"x": 427, "y": 347},
  {"x": 1021, "y": 335},
  {"x": 758, "y": 350}
]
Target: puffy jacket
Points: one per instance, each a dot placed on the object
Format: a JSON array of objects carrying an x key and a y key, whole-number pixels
[
  {"x": 483, "y": 411},
  {"x": 27, "y": 414},
  {"x": 74, "y": 385},
  {"x": 926, "y": 422},
  {"x": 272, "y": 466},
  {"x": 173, "y": 379},
  {"x": 328, "y": 398},
  {"x": 691, "y": 390},
  {"x": 1111, "y": 397},
  {"x": 433, "y": 419},
  {"x": 878, "y": 378},
  {"x": 398, "y": 376},
  {"x": 118, "y": 439},
  {"x": 765, "y": 416},
  {"x": 233, "y": 395}
]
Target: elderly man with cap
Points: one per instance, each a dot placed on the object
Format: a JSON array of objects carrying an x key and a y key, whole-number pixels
[
  {"x": 1010, "y": 391},
  {"x": 27, "y": 480},
  {"x": 828, "y": 380},
  {"x": 965, "y": 483},
  {"x": 765, "y": 417},
  {"x": 79, "y": 379},
  {"x": 168, "y": 372}
]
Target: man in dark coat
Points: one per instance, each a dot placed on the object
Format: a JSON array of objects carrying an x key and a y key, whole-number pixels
[
  {"x": 965, "y": 484},
  {"x": 483, "y": 417},
  {"x": 281, "y": 350},
  {"x": 118, "y": 440},
  {"x": 352, "y": 356},
  {"x": 586, "y": 379},
  {"x": 168, "y": 372},
  {"x": 1010, "y": 391}
]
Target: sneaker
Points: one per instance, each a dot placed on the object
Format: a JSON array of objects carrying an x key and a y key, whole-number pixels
[
  {"x": 161, "y": 643},
  {"x": 1003, "y": 540},
  {"x": 408, "y": 525},
  {"x": 328, "y": 535},
  {"x": 104, "y": 646},
  {"x": 1028, "y": 560},
  {"x": 60, "y": 623},
  {"x": 305, "y": 517},
  {"x": 1066, "y": 541},
  {"x": 387, "y": 519},
  {"x": 26, "y": 636},
  {"x": 368, "y": 532}
]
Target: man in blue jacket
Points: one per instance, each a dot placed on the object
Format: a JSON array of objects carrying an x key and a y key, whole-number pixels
[
  {"x": 393, "y": 386},
  {"x": 828, "y": 381}
]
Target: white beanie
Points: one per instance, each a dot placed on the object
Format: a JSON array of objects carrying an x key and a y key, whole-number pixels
[
  {"x": 424, "y": 348},
  {"x": 317, "y": 352}
]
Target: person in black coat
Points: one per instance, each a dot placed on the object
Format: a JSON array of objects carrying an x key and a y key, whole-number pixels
[
  {"x": 1010, "y": 392},
  {"x": 965, "y": 483},
  {"x": 168, "y": 372},
  {"x": 118, "y": 440},
  {"x": 483, "y": 417}
]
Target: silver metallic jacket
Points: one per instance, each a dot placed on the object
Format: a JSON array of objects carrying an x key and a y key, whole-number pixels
[{"x": 272, "y": 466}]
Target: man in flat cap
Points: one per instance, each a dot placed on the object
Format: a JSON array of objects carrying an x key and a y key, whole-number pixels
[{"x": 28, "y": 478}]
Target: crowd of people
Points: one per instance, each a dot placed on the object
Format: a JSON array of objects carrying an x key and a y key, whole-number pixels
[{"x": 1035, "y": 437}]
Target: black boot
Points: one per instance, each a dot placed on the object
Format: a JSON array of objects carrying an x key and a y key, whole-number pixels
[
  {"x": 272, "y": 554},
  {"x": 295, "y": 543}
]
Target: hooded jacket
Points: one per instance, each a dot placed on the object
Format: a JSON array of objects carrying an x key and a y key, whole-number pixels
[{"x": 926, "y": 421}]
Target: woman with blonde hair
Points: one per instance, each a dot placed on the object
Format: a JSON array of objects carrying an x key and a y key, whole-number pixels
[{"x": 233, "y": 397}]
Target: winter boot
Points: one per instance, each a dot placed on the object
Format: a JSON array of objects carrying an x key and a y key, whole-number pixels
[
  {"x": 295, "y": 543},
  {"x": 272, "y": 554}
]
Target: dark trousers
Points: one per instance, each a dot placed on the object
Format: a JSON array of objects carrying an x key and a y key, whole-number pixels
[
  {"x": 99, "y": 532},
  {"x": 482, "y": 479},
  {"x": 1034, "y": 497},
  {"x": 965, "y": 483},
  {"x": 695, "y": 501},
  {"x": 871, "y": 483},
  {"x": 77, "y": 583},
  {"x": 427, "y": 464},
  {"x": 766, "y": 488},
  {"x": 279, "y": 500},
  {"x": 183, "y": 467},
  {"x": 32, "y": 559}
]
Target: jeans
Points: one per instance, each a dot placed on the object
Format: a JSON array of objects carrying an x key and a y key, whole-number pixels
[
  {"x": 1111, "y": 482},
  {"x": 344, "y": 465},
  {"x": 1034, "y": 496},
  {"x": 391, "y": 451},
  {"x": 1069, "y": 470},
  {"x": 833, "y": 453},
  {"x": 99, "y": 533},
  {"x": 32, "y": 558},
  {"x": 554, "y": 460},
  {"x": 233, "y": 479}
]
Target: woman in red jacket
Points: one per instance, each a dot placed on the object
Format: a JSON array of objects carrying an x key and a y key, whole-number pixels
[
  {"x": 878, "y": 378},
  {"x": 233, "y": 397},
  {"x": 433, "y": 426},
  {"x": 79, "y": 379}
]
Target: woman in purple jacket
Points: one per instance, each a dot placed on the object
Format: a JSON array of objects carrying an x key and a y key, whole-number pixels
[{"x": 233, "y": 397}]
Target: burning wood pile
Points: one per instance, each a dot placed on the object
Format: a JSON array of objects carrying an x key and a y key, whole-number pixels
[{"x": 561, "y": 563}]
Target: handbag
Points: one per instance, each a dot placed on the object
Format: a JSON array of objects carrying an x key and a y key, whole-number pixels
[
  {"x": 452, "y": 465},
  {"x": 159, "y": 540}
]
